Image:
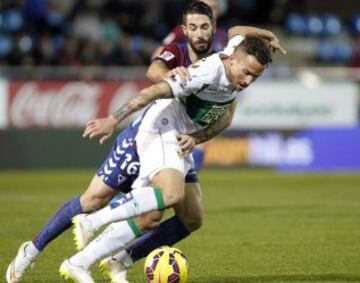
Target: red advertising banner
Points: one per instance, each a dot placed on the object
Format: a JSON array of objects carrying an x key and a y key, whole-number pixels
[{"x": 65, "y": 104}]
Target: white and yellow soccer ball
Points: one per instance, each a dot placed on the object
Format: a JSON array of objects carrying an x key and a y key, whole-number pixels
[{"x": 166, "y": 265}]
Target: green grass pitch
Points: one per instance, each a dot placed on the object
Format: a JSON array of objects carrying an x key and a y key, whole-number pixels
[{"x": 259, "y": 226}]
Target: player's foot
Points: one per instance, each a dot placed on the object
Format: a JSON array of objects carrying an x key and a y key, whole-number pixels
[
  {"x": 82, "y": 231},
  {"x": 113, "y": 270},
  {"x": 77, "y": 274},
  {"x": 19, "y": 265}
]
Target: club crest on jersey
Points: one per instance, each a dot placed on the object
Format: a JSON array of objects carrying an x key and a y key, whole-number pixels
[
  {"x": 164, "y": 121},
  {"x": 167, "y": 55}
]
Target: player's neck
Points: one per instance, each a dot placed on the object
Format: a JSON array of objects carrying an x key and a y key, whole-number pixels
[{"x": 226, "y": 62}]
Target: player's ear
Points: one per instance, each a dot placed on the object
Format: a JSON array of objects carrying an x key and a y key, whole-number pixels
[
  {"x": 214, "y": 27},
  {"x": 232, "y": 58},
  {"x": 184, "y": 29}
]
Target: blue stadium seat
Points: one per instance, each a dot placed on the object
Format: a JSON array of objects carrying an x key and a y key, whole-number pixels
[
  {"x": 331, "y": 24},
  {"x": 332, "y": 52},
  {"x": 295, "y": 24},
  {"x": 325, "y": 51},
  {"x": 342, "y": 51},
  {"x": 12, "y": 21},
  {"x": 54, "y": 19},
  {"x": 355, "y": 23},
  {"x": 314, "y": 26},
  {"x": 5, "y": 45}
]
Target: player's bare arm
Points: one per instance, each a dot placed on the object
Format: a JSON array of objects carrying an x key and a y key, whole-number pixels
[
  {"x": 104, "y": 127},
  {"x": 188, "y": 142},
  {"x": 263, "y": 33},
  {"x": 158, "y": 71}
]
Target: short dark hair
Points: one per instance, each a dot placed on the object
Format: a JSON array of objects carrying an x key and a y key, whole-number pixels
[
  {"x": 257, "y": 47},
  {"x": 197, "y": 7}
]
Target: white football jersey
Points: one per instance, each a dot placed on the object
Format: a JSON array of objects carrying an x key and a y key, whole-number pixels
[{"x": 199, "y": 102}]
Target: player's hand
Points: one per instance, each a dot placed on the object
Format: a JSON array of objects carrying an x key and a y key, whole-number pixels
[
  {"x": 103, "y": 128},
  {"x": 274, "y": 42},
  {"x": 187, "y": 144},
  {"x": 182, "y": 72}
]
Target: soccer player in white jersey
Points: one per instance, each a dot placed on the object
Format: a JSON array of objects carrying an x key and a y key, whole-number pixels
[
  {"x": 175, "y": 118},
  {"x": 170, "y": 231},
  {"x": 189, "y": 214},
  {"x": 96, "y": 196}
]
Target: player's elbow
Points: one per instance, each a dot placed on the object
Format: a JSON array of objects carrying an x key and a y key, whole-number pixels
[
  {"x": 153, "y": 76},
  {"x": 149, "y": 75}
]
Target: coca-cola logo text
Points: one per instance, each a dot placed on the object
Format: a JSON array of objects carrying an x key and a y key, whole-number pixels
[{"x": 69, "y": 104}]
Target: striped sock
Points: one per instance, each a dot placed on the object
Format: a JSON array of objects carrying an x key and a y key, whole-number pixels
[
  {"x": 114, "y": 237},
  {"x": 135, "y": 203}
]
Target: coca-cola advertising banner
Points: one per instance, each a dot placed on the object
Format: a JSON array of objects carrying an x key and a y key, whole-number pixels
[
  {"x": 3, "y": 104},
  {"x": 53, "y": 104}
]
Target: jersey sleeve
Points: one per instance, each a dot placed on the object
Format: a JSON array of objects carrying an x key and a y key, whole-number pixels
[
  {"x": 202, "y": 75},
  {"x": 232, "y": 44},
  {"x": 175, "y": 36},
  {"x": 169, "y": 56}
]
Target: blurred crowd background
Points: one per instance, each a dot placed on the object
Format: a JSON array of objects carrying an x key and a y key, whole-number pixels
[
  {"x": 126, "y": 32},
  {"x": 65, "y": 62}
]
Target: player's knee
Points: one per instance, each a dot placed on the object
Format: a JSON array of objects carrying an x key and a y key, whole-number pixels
[
  {"x": 172, "y": 186},
  {"x": 172, "y": 197}
]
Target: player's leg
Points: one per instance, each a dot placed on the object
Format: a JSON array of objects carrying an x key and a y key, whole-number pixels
[
  {"x": 114, "y": 237},
  {"x": 189, "y": 214},
  {"x": 167, "y": 190},
  {"x": 97, "y": 195},
  {"x": 188, "y": 218},
  {"x": 190, "y": 209},
  {"x": 160, "y": 184}
]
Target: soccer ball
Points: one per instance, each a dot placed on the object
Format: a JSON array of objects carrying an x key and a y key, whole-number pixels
[{"x": 166, "y": 265}]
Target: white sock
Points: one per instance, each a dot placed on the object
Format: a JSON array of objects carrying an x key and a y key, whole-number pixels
[
  {"x": 124, "y": 257},
  {"x": 114, "y": 237},
  {"x": 135, "y": 203},
  {"x": 31, "y": 250}
]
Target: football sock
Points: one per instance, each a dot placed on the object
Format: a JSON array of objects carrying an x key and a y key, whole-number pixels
[
  {"x": 198, "y": 155},
  {"x": 58, "y": 223},
  {"x": 135, "y": 203},
  {"x": 167, "y": 233},
  {"x": 114, "y": 237},
  {"x": 31, "y": 250},
  {"x": 124, "y": 257}
]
